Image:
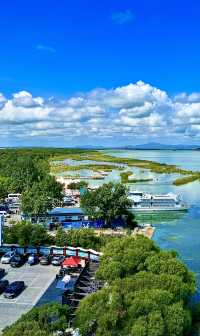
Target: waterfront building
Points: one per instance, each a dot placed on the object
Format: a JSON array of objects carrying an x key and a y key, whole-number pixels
[{"x": 71, "y": 218}]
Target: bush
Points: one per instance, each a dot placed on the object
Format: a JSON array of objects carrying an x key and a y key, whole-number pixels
[
  {"x": 40, "y": 321},
  {"x": 146, "y": 294}
]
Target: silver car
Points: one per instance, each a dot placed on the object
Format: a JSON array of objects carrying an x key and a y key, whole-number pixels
[
  {"x": 6, "y": 259},
  {"x": 57, "y": 260}
]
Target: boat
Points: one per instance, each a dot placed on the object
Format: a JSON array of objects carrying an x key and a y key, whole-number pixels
[{"x": 146, "y": 202}]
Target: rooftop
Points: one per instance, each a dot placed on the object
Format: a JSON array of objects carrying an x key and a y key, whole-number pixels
[{"x": 66, "y": 211}]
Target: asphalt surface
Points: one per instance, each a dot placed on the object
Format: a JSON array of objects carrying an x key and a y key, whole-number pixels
[{"x": 40, "y": 289}]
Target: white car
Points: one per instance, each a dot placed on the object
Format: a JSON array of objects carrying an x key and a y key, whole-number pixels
[
  {"x": 7, "y": 257},
  {"x": 5, "y": 214}
]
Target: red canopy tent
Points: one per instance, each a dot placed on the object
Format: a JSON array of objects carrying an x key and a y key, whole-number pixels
[{"x": 71, "y": 262}]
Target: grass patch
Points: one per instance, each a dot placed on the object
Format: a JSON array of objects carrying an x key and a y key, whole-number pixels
[
  {"x": 125, "y": 176},
  {"x": 186, "y": 179},
  {"x": 57, "y": 168}
]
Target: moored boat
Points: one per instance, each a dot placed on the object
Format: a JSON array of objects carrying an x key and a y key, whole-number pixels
[{"x": 146, "y": 202}]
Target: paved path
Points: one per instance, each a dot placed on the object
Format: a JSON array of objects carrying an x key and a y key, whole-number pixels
[{"x": 37, "y": 279}]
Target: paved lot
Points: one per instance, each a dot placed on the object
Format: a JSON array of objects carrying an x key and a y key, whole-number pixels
[{"x": 37, "y": 279}]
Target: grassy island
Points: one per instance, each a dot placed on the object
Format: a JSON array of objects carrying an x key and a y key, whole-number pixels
[
  {"x": 125, "y": 178},
  {"x": 140, "y": 180},
  {"x": 58, "y": 167},
  {"x": 186, "y": 179}
]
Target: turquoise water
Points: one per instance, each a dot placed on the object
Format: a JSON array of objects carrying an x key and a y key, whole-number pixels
[
  {"x": 179, "y": 231},
  {"x": 183, "y": 158}
]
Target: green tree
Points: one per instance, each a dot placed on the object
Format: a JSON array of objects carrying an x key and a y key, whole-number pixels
[
  {"x": 42, "y": 196},
  {"x": 118, "y": 310},
  {"x": 84, "y": 237},
  {"x": 40, "y": 321},
  {"x": 109, "y": 202},
  {"x": 27, "y": 234},
  {"x": 5, "y": 187},
  {"x": 28, "y": 172},
  {"x": 141, "y": 296},
  {"x": 61, "y": 237},
  {"x": 125, "y": 256},
  {"x": 77, "y": 185}
]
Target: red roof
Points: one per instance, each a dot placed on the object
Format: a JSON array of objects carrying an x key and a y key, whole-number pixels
[{"x": 71, "y": 261}]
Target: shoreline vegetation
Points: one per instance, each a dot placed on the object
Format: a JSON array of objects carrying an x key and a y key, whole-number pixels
[
  {"x": 186, "y": 179},
  {"x": 125, "y": 178},
  {"x": 107, "y": 163}
]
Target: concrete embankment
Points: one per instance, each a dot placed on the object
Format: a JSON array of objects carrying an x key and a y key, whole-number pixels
[{"x": 146, "y": 230}]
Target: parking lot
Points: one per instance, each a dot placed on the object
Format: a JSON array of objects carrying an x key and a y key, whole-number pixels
[{"x": 39, "y": 288}]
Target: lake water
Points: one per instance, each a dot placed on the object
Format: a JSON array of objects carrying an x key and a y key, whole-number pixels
[
  {"x": 182, "y": 158},
  {"x": 179, "y": 231}
]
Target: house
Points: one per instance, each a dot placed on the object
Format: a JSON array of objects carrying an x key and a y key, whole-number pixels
[
  {"x": 67, "y": 217},
  {"x": 14, "y": 203},
  {"x": 71, "y": 218}
]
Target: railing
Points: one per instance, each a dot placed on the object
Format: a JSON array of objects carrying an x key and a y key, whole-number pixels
[{"x": 53, "y": 250}]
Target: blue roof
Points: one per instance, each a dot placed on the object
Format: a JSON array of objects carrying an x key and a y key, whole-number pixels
[{"x": 57, "y": 211}]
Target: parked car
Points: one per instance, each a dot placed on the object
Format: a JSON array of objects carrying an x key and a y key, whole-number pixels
[
  {"x": 57, "y": 260},
  {"x": 14, "y": 289},
  {"x": 2, "y": 272},
  {"x": 33, "y": 259},
  {"x": 4, "y": 207},
  {"x": 45, "y": 260},
  {"x": 6, "y": 259},
  {"x": 3, "y": 285},
  {"x": 4, "y": 214},
  {"x": 62, "y": 272},
  {"x": 17, "y": 261}
]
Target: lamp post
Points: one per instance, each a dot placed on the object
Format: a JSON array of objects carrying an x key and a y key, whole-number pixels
[{"x": 1, "y": 229}]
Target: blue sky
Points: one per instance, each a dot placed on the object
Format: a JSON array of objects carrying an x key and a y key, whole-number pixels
[{"x": 70, "y": 49}]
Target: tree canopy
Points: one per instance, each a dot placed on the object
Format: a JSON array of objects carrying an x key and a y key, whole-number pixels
[
  {"x": 146, "y": 292},
  {"x": 27, "y": 234},
  {"x": 84, "y": 237},
  {"x": 109, "y": 202},
  {"x": 40, "y": 321},
  {"x": 28, "y": 172},
  {"x": 42, "y": 196},
  {"x": 77, "y": 185}
]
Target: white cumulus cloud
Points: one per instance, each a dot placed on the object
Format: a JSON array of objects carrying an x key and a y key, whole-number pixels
[{"x": 135, "y": 111}]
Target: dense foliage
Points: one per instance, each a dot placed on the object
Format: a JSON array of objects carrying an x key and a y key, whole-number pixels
[
  {"x": 85, "y": 238},
  {"x": 27, "y": 234},
  {"x": 40, "y": 321},
  {"x": 77, "y": 185},
  {"x": 27, "y": 171},
  {"x": 109, "y": 202},
  {"x": 146, "y": 294}
]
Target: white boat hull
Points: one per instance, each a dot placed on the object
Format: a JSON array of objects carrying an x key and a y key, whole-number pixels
[{"x": 154, "y": 209}]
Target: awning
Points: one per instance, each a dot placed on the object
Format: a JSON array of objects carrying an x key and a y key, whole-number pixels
[{"x": 71, "y": 262}]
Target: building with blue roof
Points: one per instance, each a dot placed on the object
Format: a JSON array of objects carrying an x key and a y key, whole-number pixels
[{"x": 71, "y": 218}]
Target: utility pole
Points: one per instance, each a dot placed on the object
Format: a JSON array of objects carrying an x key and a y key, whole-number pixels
[{"x": 1, "y": 229}]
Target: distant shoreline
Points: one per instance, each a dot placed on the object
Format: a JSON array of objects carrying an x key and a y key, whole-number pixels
[{"x": 108, "y": 148}]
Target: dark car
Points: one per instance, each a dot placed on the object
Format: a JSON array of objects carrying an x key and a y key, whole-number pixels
[
  {"x": 57, "y": 260},
  {"x": 45, "y": 260},
  {"x": 14, "y": 289},
  {"x": 62, "y": 272},
  {"x": 17, "y": 261},
  {"x": 2, "y": 272},
  {"x": 3, "y": 285}
]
